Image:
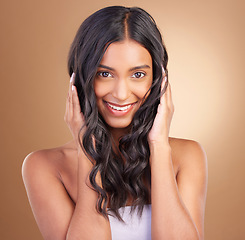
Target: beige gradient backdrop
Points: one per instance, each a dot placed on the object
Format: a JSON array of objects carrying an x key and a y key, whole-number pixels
[{"x": 205, "y": 42}]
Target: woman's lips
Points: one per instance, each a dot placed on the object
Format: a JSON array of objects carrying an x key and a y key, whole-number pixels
[{"x": 119, "y": 110}]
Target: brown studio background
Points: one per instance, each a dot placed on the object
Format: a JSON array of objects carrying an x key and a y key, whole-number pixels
[{"x": 205, "y": 42}]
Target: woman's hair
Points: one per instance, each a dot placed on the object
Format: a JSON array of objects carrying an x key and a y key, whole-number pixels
[{"x": 124, "y": 171}]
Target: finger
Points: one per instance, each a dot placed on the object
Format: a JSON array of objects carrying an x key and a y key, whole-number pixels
[
  {"x": 170, "y": 99},
  {"x": 76, "y": 105},
  {"x": 67, "y": 102},
  {"x": 164, "y": 97},
  {"x": 77, "y": 114},
  {"x": 69, "y": 110},
  {"x": 70, "y": 98},
  {"x": 66, "y": 111},
  {"x": 164, "y": 82},
  {"x": 163, "y": 71}
]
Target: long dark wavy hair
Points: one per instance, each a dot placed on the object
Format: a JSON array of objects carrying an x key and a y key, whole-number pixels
[{"x": 125, "y": 171}]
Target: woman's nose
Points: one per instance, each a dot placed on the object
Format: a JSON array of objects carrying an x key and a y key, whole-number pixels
[{"x": 121, "y": 89}]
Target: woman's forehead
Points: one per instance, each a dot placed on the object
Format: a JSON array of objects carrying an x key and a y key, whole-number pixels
[{"x": 127, "y": 52}]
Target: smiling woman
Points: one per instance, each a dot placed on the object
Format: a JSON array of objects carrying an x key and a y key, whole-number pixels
[
  {"x": 122, "y": 176},
  {"x": 123, "y": 80}
]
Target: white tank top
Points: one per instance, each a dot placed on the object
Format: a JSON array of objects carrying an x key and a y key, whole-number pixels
[{"x": 134, "y": 228}]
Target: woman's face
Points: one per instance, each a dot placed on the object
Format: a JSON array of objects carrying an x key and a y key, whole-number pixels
[{"x": 123, "y": 78}]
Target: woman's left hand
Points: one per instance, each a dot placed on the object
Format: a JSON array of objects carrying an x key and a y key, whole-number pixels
[{"x": 160, "y": 129}]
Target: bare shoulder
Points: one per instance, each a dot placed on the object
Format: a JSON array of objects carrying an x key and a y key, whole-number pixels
[
  {"x": 192, "y": 177},
  {"x": 50, "y": 161},
  {"x": 187, "y": 153},
  {"x": 50, "y": 202},
  {"x": 47, "y": 158}
]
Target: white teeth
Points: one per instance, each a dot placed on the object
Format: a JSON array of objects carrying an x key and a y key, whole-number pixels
[{"x": 119, "y": 108}]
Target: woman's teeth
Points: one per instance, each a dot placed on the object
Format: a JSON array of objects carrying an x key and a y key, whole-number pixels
[{"x": 119, "y": 108}]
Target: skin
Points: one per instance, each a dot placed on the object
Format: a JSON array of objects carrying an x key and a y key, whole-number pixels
[
  {"x": 124, "y": 77},
  {"x": 55, "y": 179}
]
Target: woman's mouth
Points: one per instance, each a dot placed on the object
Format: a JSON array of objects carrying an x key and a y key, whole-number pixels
[{"x": 119, "y": 110}]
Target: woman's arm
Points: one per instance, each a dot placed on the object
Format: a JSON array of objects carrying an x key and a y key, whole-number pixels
[
  {"x": 86, "y": 222},
  {"x": 177, "y": 207},
  {"x": 58, "y": 218}
]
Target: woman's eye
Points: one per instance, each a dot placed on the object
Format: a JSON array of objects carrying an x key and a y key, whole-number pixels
[
  {"x": 104, "y": 74},
  {"x": 138, "y": 75}
]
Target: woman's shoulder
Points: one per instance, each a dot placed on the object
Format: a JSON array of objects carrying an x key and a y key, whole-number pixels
[
  {"x": 50, "y": 161},
  {"x": 187, "y": 152},
  {"x": 46, "y": 191},
  {"x": 181, "y": 145}
]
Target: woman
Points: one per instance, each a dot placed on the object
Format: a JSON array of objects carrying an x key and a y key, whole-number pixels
[{"x": 122, "y": 176}]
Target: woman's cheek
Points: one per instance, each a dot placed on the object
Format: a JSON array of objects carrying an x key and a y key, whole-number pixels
[
  {"x": 98, "y": 90},
  {"x": 140, "y": 91},
  {"x": 102, "y": 89}
]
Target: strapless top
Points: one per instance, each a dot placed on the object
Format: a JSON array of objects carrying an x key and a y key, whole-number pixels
[{"x": 134, "y": 228}]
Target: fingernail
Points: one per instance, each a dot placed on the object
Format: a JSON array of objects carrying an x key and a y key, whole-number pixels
[
  {"x": 72, "y": 87},
  {"x": 163, "y": 70},
  {"x": 72, "y": 76}
]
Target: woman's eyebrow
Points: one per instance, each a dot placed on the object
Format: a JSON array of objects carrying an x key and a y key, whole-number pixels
[
  {"x": 104, "y": 66},
  {"x": 139, "y": 67},
  {"x": 131, "y": 69}
]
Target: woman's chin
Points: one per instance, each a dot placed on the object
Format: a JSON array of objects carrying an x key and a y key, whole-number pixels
[{"x": 119, "y": 124}]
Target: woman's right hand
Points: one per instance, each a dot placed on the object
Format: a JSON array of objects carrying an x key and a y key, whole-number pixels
[
  {"x": 73, "y": 115},
  {"x": 75, "y": 121}
]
